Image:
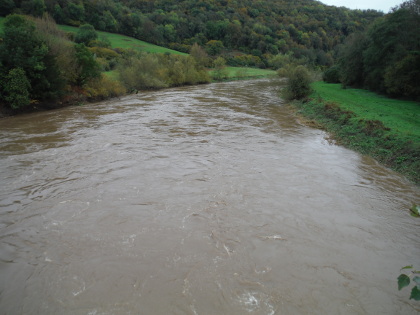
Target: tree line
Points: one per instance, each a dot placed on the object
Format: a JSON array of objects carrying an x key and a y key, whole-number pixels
[{"x": 386, "y": 57}]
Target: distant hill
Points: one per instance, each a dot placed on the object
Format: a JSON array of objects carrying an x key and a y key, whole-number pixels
[{"x": 306, "y": 28}]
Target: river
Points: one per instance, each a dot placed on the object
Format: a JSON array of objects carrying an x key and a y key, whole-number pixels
[{"x": 200, "y": 200}]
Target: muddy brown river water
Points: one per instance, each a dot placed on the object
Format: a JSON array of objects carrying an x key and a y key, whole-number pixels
[{"x": 197, "y": 200}]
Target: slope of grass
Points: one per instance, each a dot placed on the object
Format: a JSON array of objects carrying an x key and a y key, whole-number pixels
[
  {"x": 384, "y": 128},
  {"x": 125, "y": 42}
]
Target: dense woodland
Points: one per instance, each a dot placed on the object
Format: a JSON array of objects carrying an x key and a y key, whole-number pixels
[
  {"x": 306, "y": 28},
  {"x": 40, "y": 63}
]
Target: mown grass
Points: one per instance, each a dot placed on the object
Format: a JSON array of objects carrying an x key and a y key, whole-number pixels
[{"x": 384, "y": 128}]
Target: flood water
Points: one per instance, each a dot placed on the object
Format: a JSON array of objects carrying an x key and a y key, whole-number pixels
[{"x": 197, "y": 200}]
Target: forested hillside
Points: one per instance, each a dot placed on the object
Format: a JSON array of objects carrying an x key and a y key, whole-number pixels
[{"x": 306, "y": 28}]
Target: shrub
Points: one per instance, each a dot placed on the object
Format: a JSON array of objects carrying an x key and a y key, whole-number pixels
[
  {"x": 85, "y": 34},
  {"x": 103, "y": 87},
  {"x": 220, "y": 72},
  {"x": 299, "y": 83},
  {"x": 332, "y": 75},
  {"x": 16, "y": 88}
]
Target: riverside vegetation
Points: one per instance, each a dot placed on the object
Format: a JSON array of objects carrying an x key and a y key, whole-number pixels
[
  {"x": 50, "y": 64},
  {"x": 384, "y": 128}
]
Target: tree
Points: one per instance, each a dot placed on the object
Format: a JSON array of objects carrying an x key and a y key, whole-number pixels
[
  {"x": 332, "y": 75},
  {"x": 23, "y": 48},
  {"x": 34, "y": 7},
  {"x": 199, "y": 54},
  {"x": 6, "y": 6},
  {"x": 351, "y": 60},
  {"x": 219, "y": 72},
  {"x": 214, "y": 47},
  {"x": 16, "y": 88},
  {"x": 88, "y": 67},
  {"x": 403, "y": 78},
  {"x": 85, "y": 34}
]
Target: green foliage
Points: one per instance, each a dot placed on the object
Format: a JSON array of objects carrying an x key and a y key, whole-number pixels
[
  {"x": 351, "y": 60},
  {"x": 141, "y": 72},
  {"x": 200, "y": 55},
  {"x": 280, "y": 61},
  {"x": 86, "y": 34},
  {"x": 103, "y": 88},
  {"x": 34, "y": 7},
  {"x": 16, "y": 88},
  {"x": 386, "y": 58},
  {"x": 214, "y": 47},
  {"x": 6, "y": 7},
  {"x": 402, "y": 79},
  {"x": 332, "y": 75},
  {"x": 415, "y": 211},
  {"x": 298, "y": 83},
  {"x": 219, "y": 73},
  {"x": 25, "y": 48},
  {"x": 261, "y": 28},
  {"x": 404, "y": 281},
  {"x": 154, "y": 71},
  {"x": 87, "y": 65}
]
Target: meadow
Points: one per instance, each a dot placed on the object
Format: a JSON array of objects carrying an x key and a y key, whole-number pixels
[{"x": 402, "y": 117}]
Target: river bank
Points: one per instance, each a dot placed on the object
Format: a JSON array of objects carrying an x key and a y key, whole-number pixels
[
  {"x": 80, "y": 96},
  {"x": 384, "y": 128}
]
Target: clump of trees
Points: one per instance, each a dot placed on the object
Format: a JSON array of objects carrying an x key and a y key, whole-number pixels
[
  {"x": 386, "y": 57},
  {"x": 38, "y": 63}
]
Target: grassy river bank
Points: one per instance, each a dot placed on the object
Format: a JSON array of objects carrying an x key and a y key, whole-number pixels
[{"x": 384, "y": 128}]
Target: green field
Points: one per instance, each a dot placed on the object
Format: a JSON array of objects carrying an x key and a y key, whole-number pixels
[{"x": 402, "y": 117}]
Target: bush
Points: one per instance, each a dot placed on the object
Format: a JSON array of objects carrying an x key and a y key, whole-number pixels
[
  {"x": 16, "y": 88},
  {"x": 220, "y": 72},
  {"x": 299, "y": 84},
  {"x": 85, "y": 34},
  {"x": 103, "y": 88},
  {"x": 332, "y": 75}
]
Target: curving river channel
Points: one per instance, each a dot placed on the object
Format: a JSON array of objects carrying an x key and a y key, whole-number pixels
[{"x": 197, "y": 200}]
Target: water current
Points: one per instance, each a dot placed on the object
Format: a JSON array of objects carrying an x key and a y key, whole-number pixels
[{"x": 203, "y": 200}]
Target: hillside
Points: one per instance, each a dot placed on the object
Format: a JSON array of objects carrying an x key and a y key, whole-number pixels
[{"x": 306, "y": 28}]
